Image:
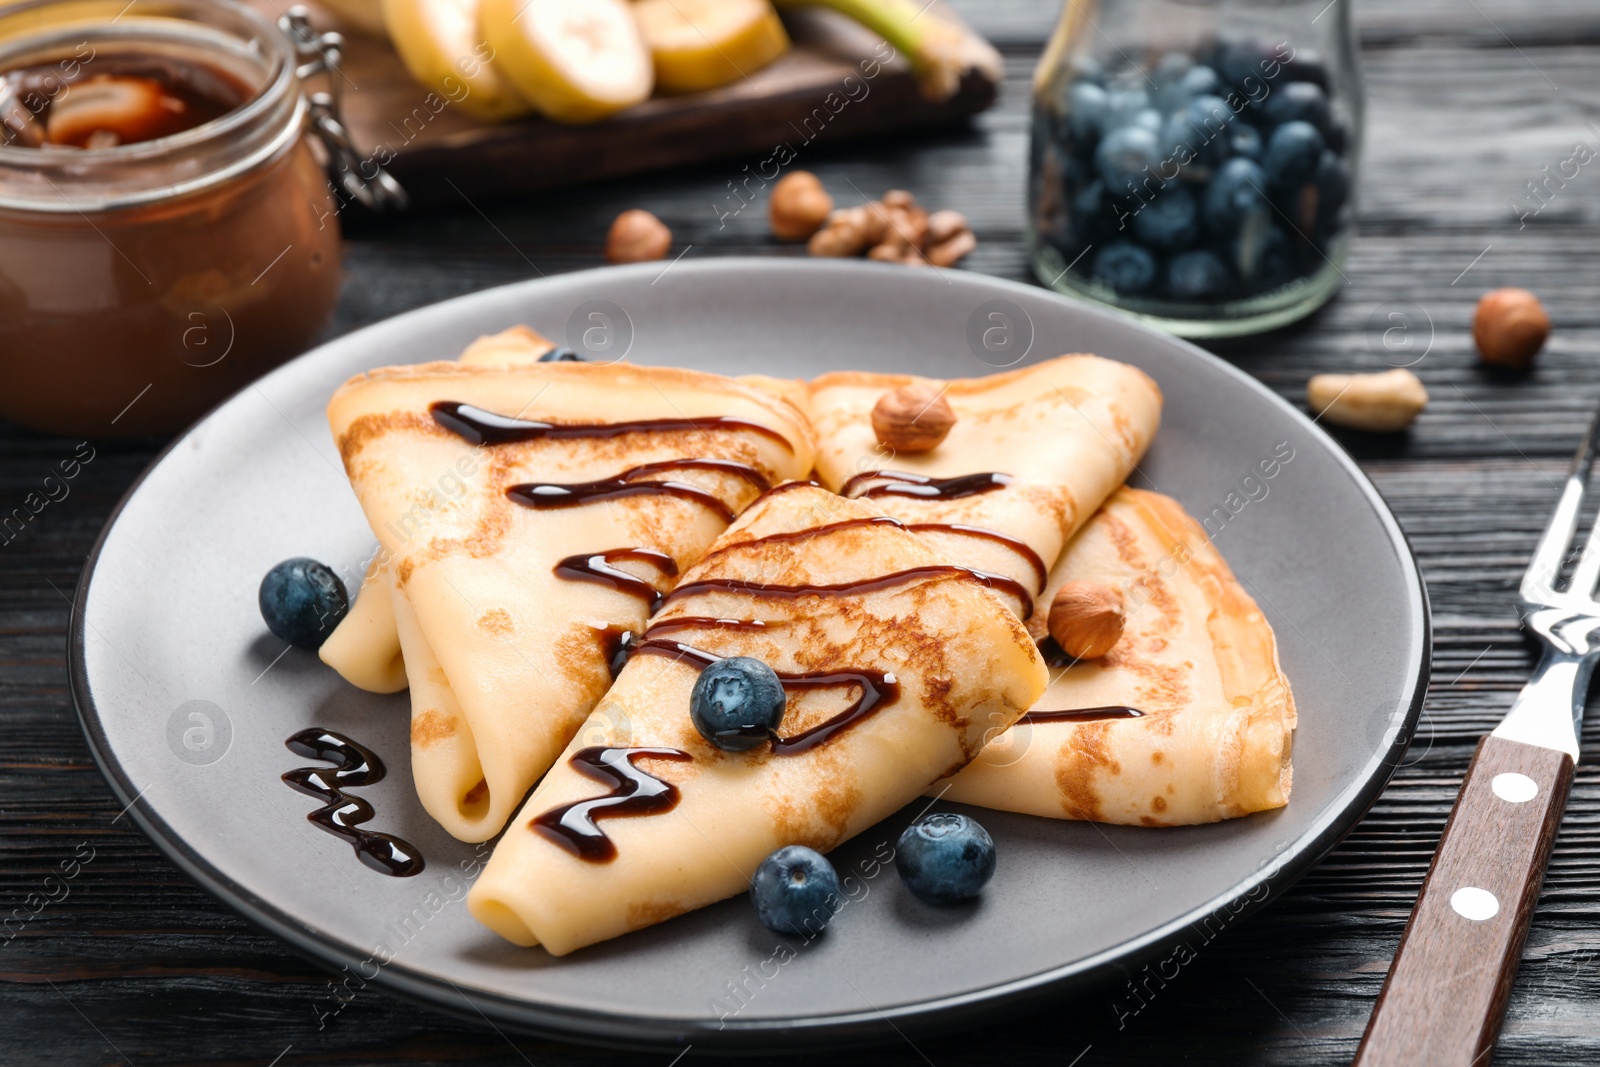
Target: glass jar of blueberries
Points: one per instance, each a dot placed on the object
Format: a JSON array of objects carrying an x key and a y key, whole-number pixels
[{"x": 1193, "y": 161}]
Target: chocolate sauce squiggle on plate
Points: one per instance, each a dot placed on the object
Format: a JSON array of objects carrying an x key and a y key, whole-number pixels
[{"x": 343, "y": 814}]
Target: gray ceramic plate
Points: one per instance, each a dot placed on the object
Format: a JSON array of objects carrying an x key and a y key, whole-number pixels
[{"x": 186, "y": 700}]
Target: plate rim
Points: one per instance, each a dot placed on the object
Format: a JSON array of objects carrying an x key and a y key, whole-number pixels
[{"x": 853, "y": 1029}]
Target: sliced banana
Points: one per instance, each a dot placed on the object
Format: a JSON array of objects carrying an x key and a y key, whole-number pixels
[
  {"x": 574, "y": 60},
  {"x": 701, "y": 44},
  {"x": 439, "y": 42}
]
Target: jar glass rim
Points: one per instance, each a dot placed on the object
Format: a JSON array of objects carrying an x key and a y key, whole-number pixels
[{"x": 40, "y": 26}]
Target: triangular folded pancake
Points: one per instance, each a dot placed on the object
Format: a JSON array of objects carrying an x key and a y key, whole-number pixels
[
  {"x": 527, "y": 530},
  {"x": 365, "y": 647},
  {"x": 515, "y": 347},
  {"x": 919, "y": 662},
  {"x": 1032, "y": 453},
  {"x": 1197, "y": 658}
]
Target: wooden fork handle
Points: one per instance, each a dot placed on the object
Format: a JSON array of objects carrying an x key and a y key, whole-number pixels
[{"x": 1446, "y": 992}]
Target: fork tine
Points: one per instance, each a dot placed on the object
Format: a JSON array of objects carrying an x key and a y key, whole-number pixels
[
  {"x": 1538, "y": 582},
  {"x": 1588, "y": 569}
]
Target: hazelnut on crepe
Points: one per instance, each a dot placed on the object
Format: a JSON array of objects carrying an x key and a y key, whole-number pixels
[
  {"x": 1186, "y": 718},
  {"x": 1016, "y": 462}
]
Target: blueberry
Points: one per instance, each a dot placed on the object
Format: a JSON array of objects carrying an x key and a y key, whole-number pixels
[
  {"x": 737, "y": 703},
  {"x": 1263, "y": 254},
  {"x": 1335, "y": 136},
  {"x": 1092, "y": 211},
  {"x": 1244, "y": 58},
  {"x": 1197, "y": 275},
  {"x": 561, "y": 355},
  {"x": 1235, "y": 192},
  {"x": 1202, "y": 126},
  {"x": 795, "y": 891},
  {"x": 1086, "y": 110},
  {"x": 1122, "y": 105},
  {"x": 1243, "y": 140},
  {"x": 1292, "y": 153},
  {"x": 1125, "y": 267},
  {"x": 1125, "y": 156},
  {"x": 1170, "y": 69},
  {"x": 1296, "y": 102},
  {"x": 1088, "y": 69},
  {"x": 302, "y": 601},
  {"x": 945, "y": 858},
  {"x": 1333, "y": 185},
  {"x": 1307, "y": 66},
  {"x": 1197, "y": 81},
  {"x": 1148, "y": 117},
  {"x": 1170, "y": 221}
]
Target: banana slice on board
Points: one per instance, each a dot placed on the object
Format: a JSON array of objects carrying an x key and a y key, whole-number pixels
[
  {"x": 701, "y": 44},
  {"x": 439, "y": 42},
  {"x": 574, "y": 60}
]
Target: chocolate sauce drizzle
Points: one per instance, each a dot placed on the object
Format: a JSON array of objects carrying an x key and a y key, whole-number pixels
[
  {"x": 804, "y": 483},
  {"x": 597, "y": 567},
  {"x": 572, "y": 494},
  {"x": 343, "y": 815},
  {"x": 480, "y": 427},
  {"x": 998, "y": 582},
  {"x": 575, "y": 826},
  {"x": 878, "y": 689},
  {"x": 921, "y": 486},
  {"x": 703, "y": 622},
  {"x": 1109, "y": 711},
  {"x": 1015, "y": 544}
]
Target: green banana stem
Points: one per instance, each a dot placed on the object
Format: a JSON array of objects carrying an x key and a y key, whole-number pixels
[{"x": 939, "y": 50}]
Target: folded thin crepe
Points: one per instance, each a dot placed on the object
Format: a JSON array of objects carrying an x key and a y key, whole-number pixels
[
  {"x": 498, "y": 646},
  {"x": 365, "y": 647},
  {"x": 1197, "y": 659},
  {"x": 641, "y": 819},
  {"x": 1032, "y": 454}
]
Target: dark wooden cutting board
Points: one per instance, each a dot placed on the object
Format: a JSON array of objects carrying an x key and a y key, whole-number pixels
[{"x": 760, "y": 123}]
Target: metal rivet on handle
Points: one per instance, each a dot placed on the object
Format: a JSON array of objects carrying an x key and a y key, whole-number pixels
[
  {"x": 1514, "y": 787},
  {"x": 1473, "y": 903}
]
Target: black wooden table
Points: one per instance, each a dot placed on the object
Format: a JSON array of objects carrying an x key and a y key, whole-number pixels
[{"x": 1469, "y": 100}]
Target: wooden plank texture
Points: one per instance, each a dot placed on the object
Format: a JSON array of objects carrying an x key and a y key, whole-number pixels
[{"x": 137, "y": 965}]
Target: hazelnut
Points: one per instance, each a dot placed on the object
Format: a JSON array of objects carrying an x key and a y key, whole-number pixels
[
  {"x": 800, "y": 206},
  {"x": 906, "y": 228},
  {"x": 943, "y": 225},
  {"x": 912, "y": 418},
  {"x": 899, "y": 198},
  {"x": 1510, "y": 327},
  {"x": 1086, "y": 619},
  {"x": 1376, "y": 402},
  {"x": 848, "y": 233},
  {"x": 637, "y": 236},
  {"x": 950, "y": 252}
]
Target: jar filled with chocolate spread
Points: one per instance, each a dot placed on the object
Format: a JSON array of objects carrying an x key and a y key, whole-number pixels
[{"x": 167, "y": 228}]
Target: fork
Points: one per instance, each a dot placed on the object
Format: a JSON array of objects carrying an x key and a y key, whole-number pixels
[{"x": 1447, "y": 988}]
